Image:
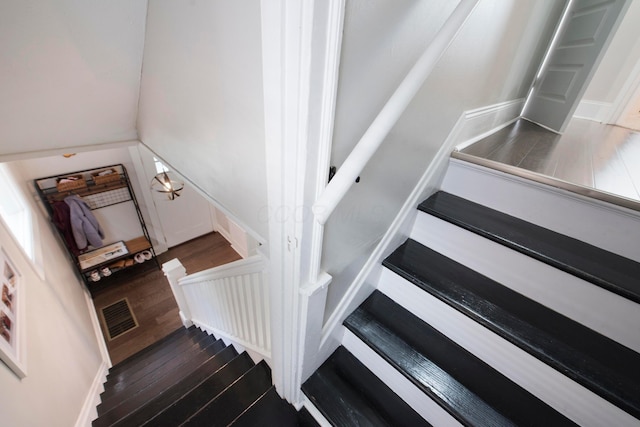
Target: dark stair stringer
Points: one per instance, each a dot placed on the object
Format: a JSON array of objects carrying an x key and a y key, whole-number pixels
[{"x": 189, "y": 378}]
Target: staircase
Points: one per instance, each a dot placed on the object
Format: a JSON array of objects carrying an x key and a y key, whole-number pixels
[
  {"x": 191, "y": 379},
  {"x": 482, "y": 318}
]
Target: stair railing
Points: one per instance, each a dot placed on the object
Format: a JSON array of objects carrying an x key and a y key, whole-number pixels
[
  {"x": 390, "y": 113},
  {"x": 230, "y": 301}
]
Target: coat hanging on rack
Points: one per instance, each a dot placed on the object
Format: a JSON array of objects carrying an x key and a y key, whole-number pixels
[
  {"x": 62, "y": 220},
  {"x": 84, "y": 225}
]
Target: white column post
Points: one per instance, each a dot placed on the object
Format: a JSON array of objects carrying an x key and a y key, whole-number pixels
[
  {"x": 301, "y": 49},
  {"x": 174, "y": 271}
]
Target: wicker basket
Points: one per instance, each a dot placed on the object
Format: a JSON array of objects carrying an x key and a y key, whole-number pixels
[
  {"x": 77, "y": 183},
  {"x": 103, "y": 179}
]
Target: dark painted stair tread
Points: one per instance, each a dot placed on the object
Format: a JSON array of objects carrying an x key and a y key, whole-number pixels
[
  {"x": 180, "y": 410},
  {"x": 268, "y": 410},
  {"x": 152, "y": 400},
  {"x": 145, "y": 356},
  {"x": 161, "y": 357},
  {"x": 174, "y": 336},
  {"x": 472, "y": 391},
  {"x": 347, "y": 393},
  {"x": 166, "y": 358},
  {"x": 593, "y": 360},
  {"x": 305, "y": 419},
  {"x": 230, "y": 404},
  {"x": 605, "y": 269},
  {"x": 184, "y": 362}
]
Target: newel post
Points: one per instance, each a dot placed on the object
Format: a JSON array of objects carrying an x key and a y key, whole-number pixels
[{"x": 174, "y": 271}]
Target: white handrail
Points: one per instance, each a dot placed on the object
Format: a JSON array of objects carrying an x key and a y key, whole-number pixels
[
  {"x": 390, "y": 113},
  {"x": 239, "y": 267}
]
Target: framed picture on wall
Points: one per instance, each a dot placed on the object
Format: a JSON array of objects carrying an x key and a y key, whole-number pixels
[{"x": 11, "y": 316}]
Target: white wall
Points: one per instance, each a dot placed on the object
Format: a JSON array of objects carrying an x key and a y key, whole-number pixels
[
  {"x": 69, "y": 72},
  {"x": 492, "y": 60},
  {"x": 63, "y": 356},
  {"x": 619, "y": 68},
  {"x": 201, "y": 105}
]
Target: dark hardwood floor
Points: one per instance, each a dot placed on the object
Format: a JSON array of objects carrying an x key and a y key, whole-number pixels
[
  {"x": 150, "y": 296},
  {"x": 594, "y": 159}
]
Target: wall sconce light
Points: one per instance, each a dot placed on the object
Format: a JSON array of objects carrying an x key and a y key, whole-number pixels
[{"x": 166, "y": 183}]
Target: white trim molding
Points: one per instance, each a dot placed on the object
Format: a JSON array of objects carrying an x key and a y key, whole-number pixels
[
  {"x": 481, "y": 122},
  {"x": 594, "y": 110},
  {"x": 89, "y": 410},
  {"x": 301, "y": 51}
]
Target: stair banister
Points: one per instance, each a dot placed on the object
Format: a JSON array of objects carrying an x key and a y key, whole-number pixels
[
  {"x": 174, "y": 271},
  {"x": 230, "y": 301},
  {"x": 390, "y": 113}
]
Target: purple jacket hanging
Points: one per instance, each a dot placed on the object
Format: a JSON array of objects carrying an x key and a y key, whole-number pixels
[
  {"x": 85, "y": 227},
  {"x": 62, "y": 220}
]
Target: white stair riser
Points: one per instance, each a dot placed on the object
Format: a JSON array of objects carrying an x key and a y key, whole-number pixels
[
  {"x": 603, "y": 311},
  {"x": 609, "y": 227},
  {"x": 558, "y": 391},
  {"x": 405, "y": 389}
]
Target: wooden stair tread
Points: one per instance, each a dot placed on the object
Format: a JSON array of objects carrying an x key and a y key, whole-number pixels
[
  {"x": 183, "y": 362},
  {"x": 347, "y": 393},
  {"x": 146, "y": 404},
  {"x": 149, "y": 373},
  {"x": 593, "y": 360},
  {"x": 469, "y": 389},
  {"x": 229, "y": 404},
  {"x": 190, "y": 377},
  {"x": 268, "y": 410},
  {"x": 183, "y": 408},
  {"x": 190, "y": 345},
  {"x": 178, "y": 334},
  {"x": 141, "y": 358},
  {"x": 605, "y": 269}
]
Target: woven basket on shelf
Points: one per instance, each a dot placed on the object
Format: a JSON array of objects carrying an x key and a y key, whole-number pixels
[
  {"x": 77, "y": 183},
  {"x": 103, "y": 179}
]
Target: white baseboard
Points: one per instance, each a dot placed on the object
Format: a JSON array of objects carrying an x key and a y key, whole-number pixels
[
  {"x": 594, "y": 110},
  {"x": 481, "y": 122},
  {"x": 89, "y": 411}
]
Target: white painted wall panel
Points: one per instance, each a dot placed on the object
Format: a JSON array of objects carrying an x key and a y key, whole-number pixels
[
  {"x": 619, "y": 61},
  {"x": 63, "y": 356},
  {"x": 201, "y": 105},
  {"x": 69, "y": 72},
  {"x": 492, "y": 60}
]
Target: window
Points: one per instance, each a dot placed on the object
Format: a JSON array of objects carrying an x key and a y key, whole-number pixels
[
  {"x": 18, "y": 217},
  {"x": 160, "y": 167}
]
